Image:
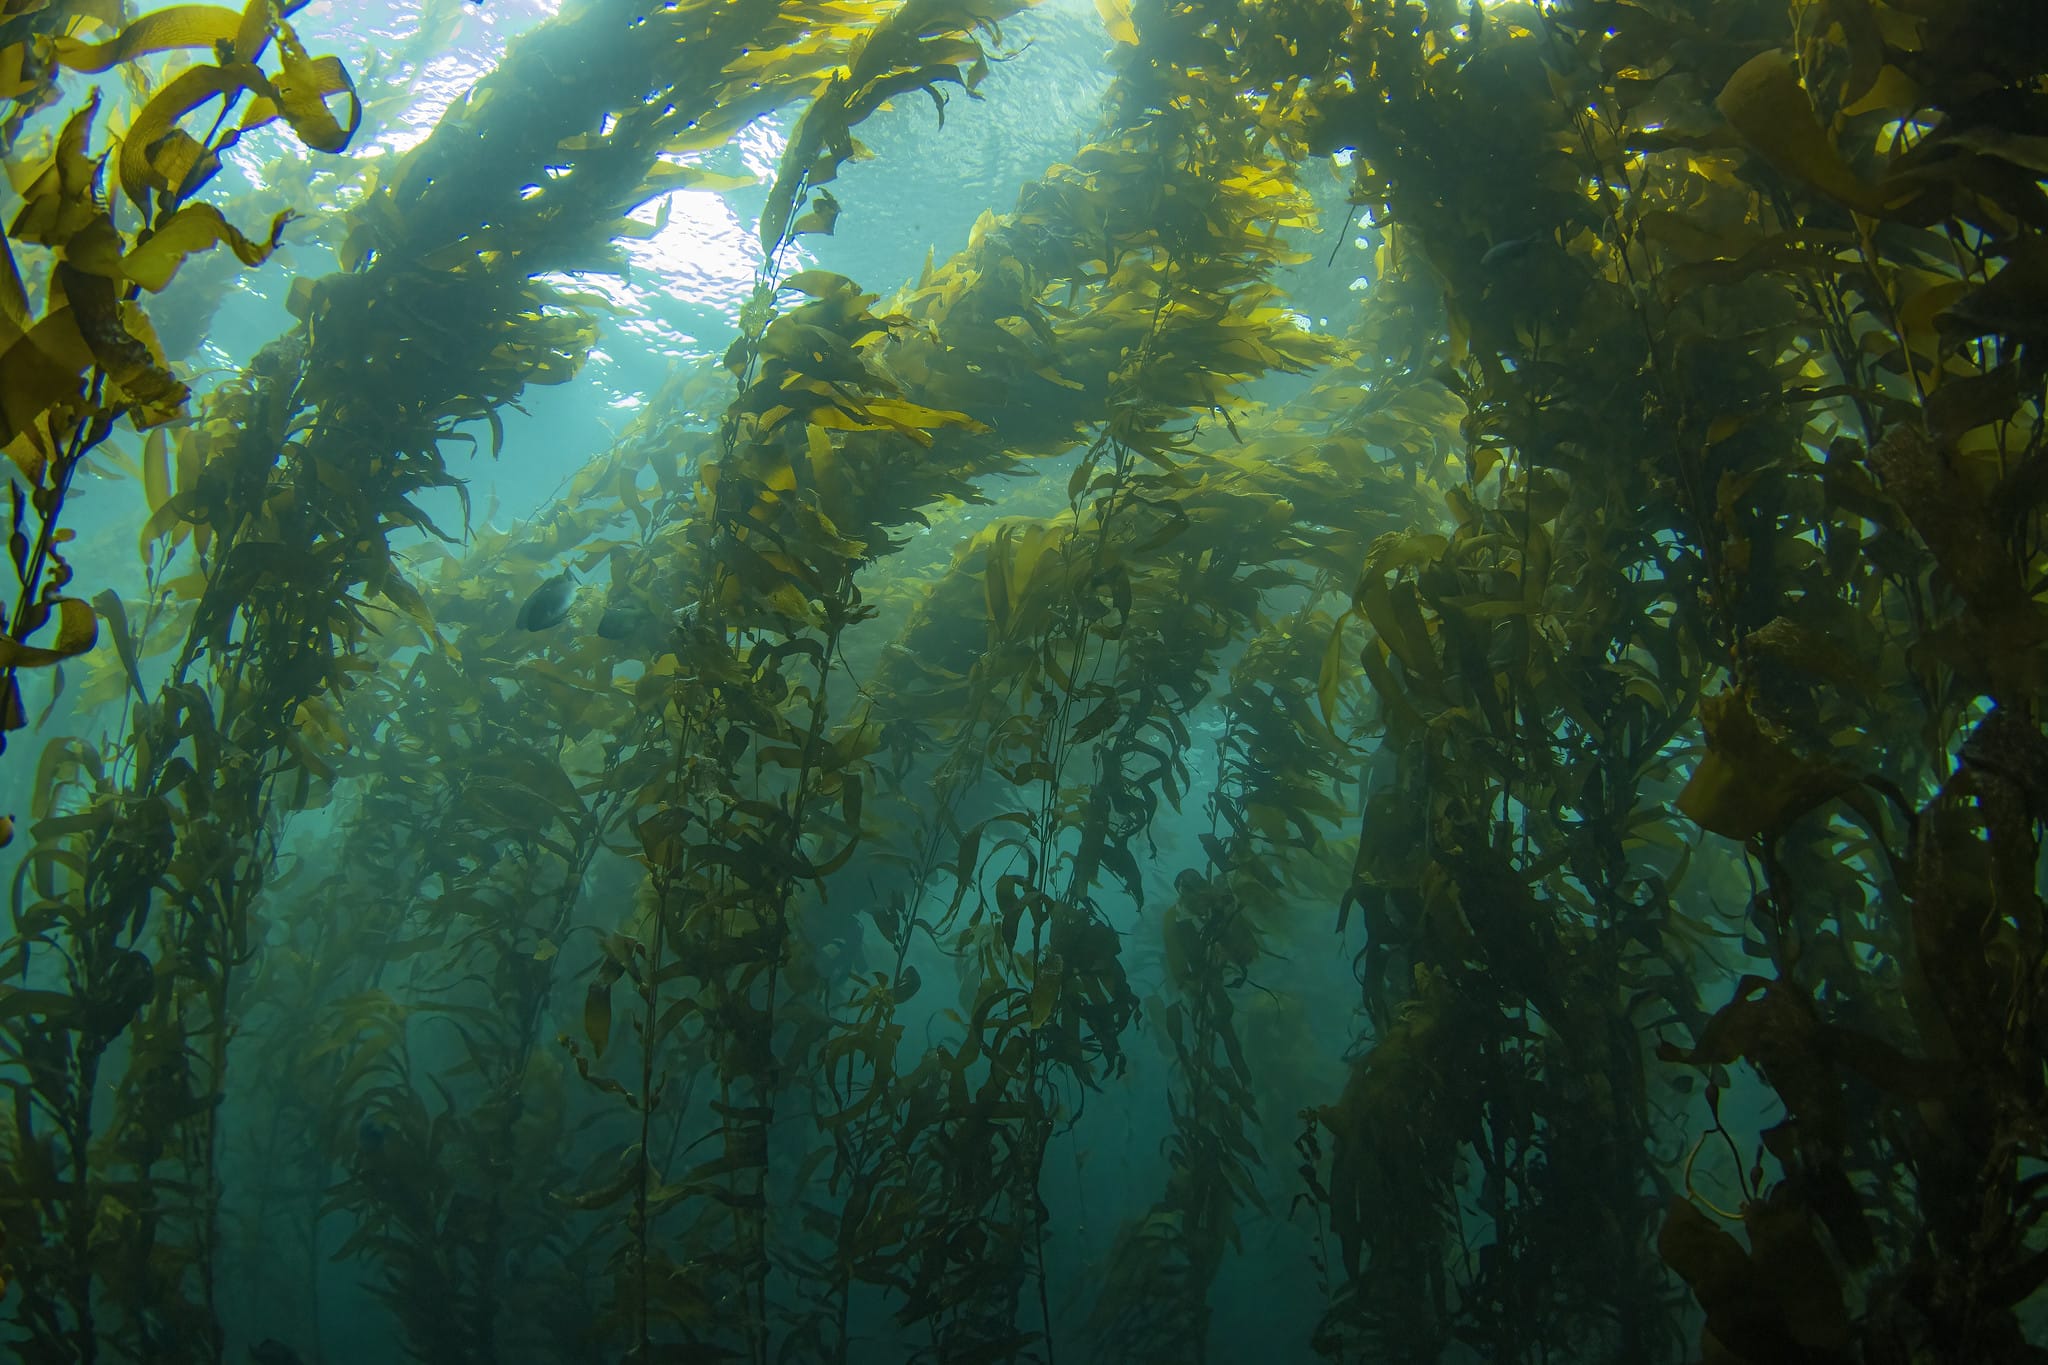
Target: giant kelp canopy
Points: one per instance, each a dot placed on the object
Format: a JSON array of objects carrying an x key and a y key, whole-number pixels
[{"x": 1529, "y": 825}]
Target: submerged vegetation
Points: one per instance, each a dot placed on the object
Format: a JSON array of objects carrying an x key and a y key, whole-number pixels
[{"x": 1436, "y": 763}]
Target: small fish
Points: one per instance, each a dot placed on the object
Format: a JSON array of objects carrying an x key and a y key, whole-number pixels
[
  {"x": 271, "y": 1351},
  {"x": 371, "y": 1135},
  {"x": 625, "y": 616},
  {"x": 1502, "y": 252},
  {"x": 549, "y": 603},
  {"x": 621, "y": 619}
]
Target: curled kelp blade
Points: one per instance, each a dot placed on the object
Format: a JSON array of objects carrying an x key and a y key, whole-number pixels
[{"x": 549, "y": 603}]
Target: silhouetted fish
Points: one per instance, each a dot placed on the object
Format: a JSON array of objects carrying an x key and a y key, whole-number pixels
[
  {"x": 1500, "y": 253},
  {"x": 620, "y": 619},
  {"x": 549, "y": 603}
]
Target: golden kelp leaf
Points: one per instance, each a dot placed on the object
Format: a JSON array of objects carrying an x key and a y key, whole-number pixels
[
  {"x": 300, "y": 92},
  {"x": 407, "y": 600},
  {"x": 124, "y": 345},
  {"x": 1765, "y": 103},
  {"x": 1893, "y": 89},
  {"x": 1015, "y": 556},
  {"x": 39, "y": 369},
  {"x": 1045, "y": 989},
  {"x": 31, "y": 455},
  {"x": 108, "y": 604},
  {"x": 668, "y": 177},
  {"x": 1750, "y": 782},
  {"x": 1391, "y": 610},
  {"x": 139, "y": 167},
  {"x": 194, "y": 228},
  {"x": 1116, "y": 17},
  {"x": 64, "y": 196},
  {"x": 995, "y": 584},
  {"x": 1724, "y": 426},
  {"x": 915, "y": 420},
  {"x": 2021, "y": 149},
  {"x": 597, "y": 1015},
  {"x": 820, "y": 284},
  {"x": 168, "y": 517},
  {"x": 77, "y": 630},
  {"x": 259, "y": 20},
  {"x": 156, "y": 469},
  {"x": 2010, "y": 302},
  {"x": 15, "y": 81},
  {"x": 158, "y": 155},
  {"x": 14, "y": 312},
  {"x": 1332, "y": 672},
  {"x": 1919, "y": 310},
  {"x": 166, "y": 30},
  {"x": 907, "y": 985},
  {"x": 823, "y": 216},
  {"x": 1863, "y": 36}
]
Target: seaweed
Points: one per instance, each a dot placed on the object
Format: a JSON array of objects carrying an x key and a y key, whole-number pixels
[{"x": 1610, "y": 626}]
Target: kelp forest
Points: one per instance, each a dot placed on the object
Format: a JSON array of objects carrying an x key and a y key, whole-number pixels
[{"x": 1394, "y": 715}]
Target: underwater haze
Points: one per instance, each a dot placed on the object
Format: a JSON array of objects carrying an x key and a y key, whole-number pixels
[{"x": 975, "y": 682}]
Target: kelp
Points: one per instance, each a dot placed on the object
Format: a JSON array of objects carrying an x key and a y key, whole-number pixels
[
  {"x": 1759, "y": 434},
  {"x": 1652, "y": 555},
  {"x": 103, "y": 1262},
  {"x": 89, "y": 357},
  {"x": 1269, "y": 805}
]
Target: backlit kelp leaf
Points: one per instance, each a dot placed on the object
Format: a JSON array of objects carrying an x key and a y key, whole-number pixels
[
  {"x": 300, "y": 93},
  {"x": 63, "y": 197},
  {"x": 1045, "y": 989},
  {"x": 15, "y": 68},
  {"x": 195, "y": 228},
  {"x": 597, "y": 1011},
  {"x": 1751, "y": 782},
  {"x": 919, "y": 47},
  {"x": 907, "y": 985},
  {"x": 39, "y": 368},
  {"x": 1331, "y": 673},
  {"x": 166, "y": 30},
  {"x": 2011, "y": 302},
  {"x": 824, "y": 213},
  {"x": 77, "y": 630},
  {"x": 1116, "y": 17},
  {"x": 624, "y": 1178},
  {"x": 669, "y": 176},
  {"x": 1765, "y": 103},
  {"x": 108, "y": 604},
  {"x": 124, "y": 345},
  {"x": 159, "y": 156},
  {"x": 14, "y": 309}
]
